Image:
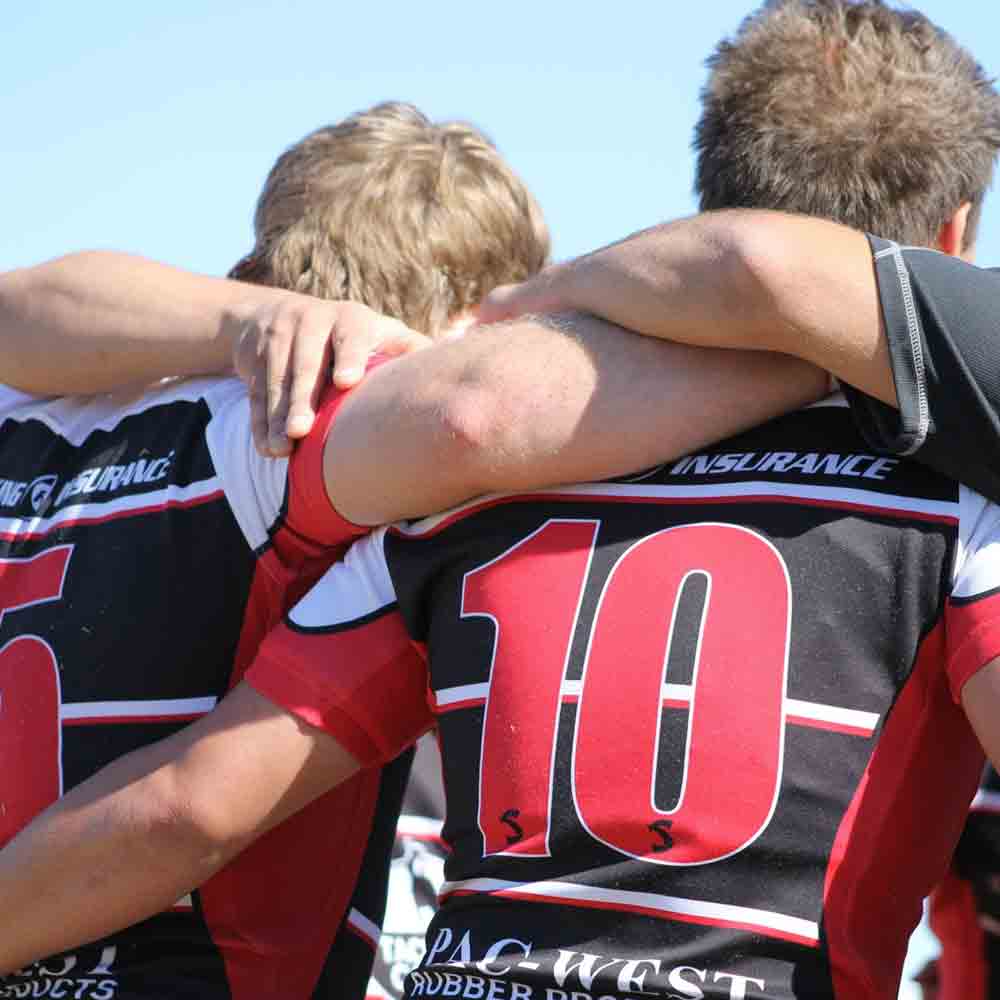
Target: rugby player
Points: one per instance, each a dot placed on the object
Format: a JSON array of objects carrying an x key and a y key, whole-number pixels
[
  {"x": 915, "y": 516},
  {"x": 217, "y": 547},
  {"x": 147, "y": 549}
]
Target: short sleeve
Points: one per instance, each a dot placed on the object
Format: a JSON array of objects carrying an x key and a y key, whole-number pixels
[
  {"x": 942, "y": 322},
  {"x": 972, "y": 613},
  {"x": 263, "y": 492},
  {"x": 343, "y": 662},
  {"x": 310, "y": 511}
]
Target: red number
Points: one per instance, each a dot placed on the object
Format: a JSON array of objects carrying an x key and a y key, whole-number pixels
[
  {"x": 554, "y": 561},
  {"x": 30, "y": 734},
  {"x": 736, "y": 701}
]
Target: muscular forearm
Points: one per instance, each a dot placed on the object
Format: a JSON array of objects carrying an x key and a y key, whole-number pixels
[
  {"x": 537, "y": 403},
  {"x": 130, "y": 841},
  {"x": 93, "y": 863},
  {"x": 739, "y": 279},
  {"x": 95, "y": 321}
]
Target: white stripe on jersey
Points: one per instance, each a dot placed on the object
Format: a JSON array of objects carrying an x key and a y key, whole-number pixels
[
  {"x": 832, "y": 715},
  {"x": 850, "y": 718},
  {"x": 418, "y": 826},
  {"x": 367, "y": 928},
  {"x": 162, "y": 708},
  {"x": 352, "y": 589},
  {"x": 986, "y": 801},
  {"x": 834, "y": 496},
  {"x": 75, "y": 418},
  {"x": 666, "y": 906},
  {"x": 167, "y": 497}
]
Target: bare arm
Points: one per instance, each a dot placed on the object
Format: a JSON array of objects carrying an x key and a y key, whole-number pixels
[
  {"x": 540, "y": 402},
  {"x": 981, "y": 701},
  {"x": 94, "y": 321},
  {"x": 152, "y": 826},
  {"x": 743, "y": 279}
]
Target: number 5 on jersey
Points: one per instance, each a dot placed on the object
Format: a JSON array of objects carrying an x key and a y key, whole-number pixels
[
  {"x": 30, "y": 734},
  {"x": 732, "y": 762}
]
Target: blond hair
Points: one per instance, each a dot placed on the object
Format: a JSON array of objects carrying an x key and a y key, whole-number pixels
[{"x": 415, "y": 219}]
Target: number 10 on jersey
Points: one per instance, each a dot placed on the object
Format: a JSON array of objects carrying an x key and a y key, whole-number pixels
[{"x": 732, "y": 762}]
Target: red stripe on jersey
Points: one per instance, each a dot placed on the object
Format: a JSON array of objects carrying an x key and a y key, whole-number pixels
[
  {"x": 976, "y": 623},
  {"x": 118, "y": 720},
  {"x": 830, "y": 727},
  {"x": 896, "y": 838},
  {"x": 456, "y": 705},
  {"x": 153, "y": 508},
  {"x": 954, "y": 919},
  {"x": 700, "y": 500},
  {"x": 359, "y": 933},
  {"x": 366, "y": 686}
]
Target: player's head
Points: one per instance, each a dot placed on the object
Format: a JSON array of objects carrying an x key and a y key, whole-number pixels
[
  {"x": 851, "y": 111},
  {"x": 416, "y": 219}
]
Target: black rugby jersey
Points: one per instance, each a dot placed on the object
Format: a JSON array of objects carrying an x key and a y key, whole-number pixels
[
  {"x": 416, "y": 875},
  {"x": 940, "y": 317},
  {"x": 145, "y": 549},
  {"x": 700, "y": 727}
]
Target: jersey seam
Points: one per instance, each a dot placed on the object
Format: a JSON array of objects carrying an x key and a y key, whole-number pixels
[{"x": 916, "y": 348}]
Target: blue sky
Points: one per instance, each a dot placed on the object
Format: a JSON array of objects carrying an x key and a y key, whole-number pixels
[{"x": 150, "y": 127}]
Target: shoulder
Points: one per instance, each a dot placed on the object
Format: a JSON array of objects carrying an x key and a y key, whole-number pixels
[{"x": 74, "y": 417}]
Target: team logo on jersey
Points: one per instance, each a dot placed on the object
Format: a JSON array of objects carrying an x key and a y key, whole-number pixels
[{"x": 40, "y": 492}]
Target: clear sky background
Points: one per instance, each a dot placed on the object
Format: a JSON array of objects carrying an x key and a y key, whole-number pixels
[{"x": 150, "y": 127}]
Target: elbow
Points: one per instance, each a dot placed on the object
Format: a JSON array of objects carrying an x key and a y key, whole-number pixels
[
  {"x": 185, "y": 829},
  {"x": 479, "y": 435}
]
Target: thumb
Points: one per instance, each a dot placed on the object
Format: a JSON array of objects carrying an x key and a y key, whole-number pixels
[{"x": 504, "y": 302}]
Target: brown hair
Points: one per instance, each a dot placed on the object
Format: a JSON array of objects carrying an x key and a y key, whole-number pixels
[
  {"x": 852, "y": 111},
  {"x": 416, "y": 219}
]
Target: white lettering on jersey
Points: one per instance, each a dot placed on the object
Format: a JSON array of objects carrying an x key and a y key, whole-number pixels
[{"x": 810, "y": 463}]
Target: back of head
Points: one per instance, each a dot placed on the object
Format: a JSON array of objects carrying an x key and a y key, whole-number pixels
[
  {"x": 852, "y": 111},
  {"x": 415, "y": 219}
]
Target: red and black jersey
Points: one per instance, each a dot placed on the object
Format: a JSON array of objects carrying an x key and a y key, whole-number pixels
[
  {"x": 965, "y": 907},
  {"x": 145, "y": 549},
  {"x": 415, "y": 876},
  {"x": 700, "y": 727}
]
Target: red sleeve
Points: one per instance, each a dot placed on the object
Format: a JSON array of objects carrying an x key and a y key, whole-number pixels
[
  {"x": 955, "y": 922},
  {"x": 310, "y": 512},
  {"x": 972, "y": 627},
  {"x": 363, "y": 683}
]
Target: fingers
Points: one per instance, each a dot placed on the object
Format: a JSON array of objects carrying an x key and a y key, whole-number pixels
[
  {"x": 355, "y": 338},
  {"x": 258, "y": 414},
  {"x": 500, "y": 304},
  {"x": 548, "y": 291},
  {"x": 309, "y": 367},
  {"x": 278, "y": 386},
  {"x": 284, "y": 354},
  {"x": 359, "y": 334},
  {"x": 251, "y": 366}
]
